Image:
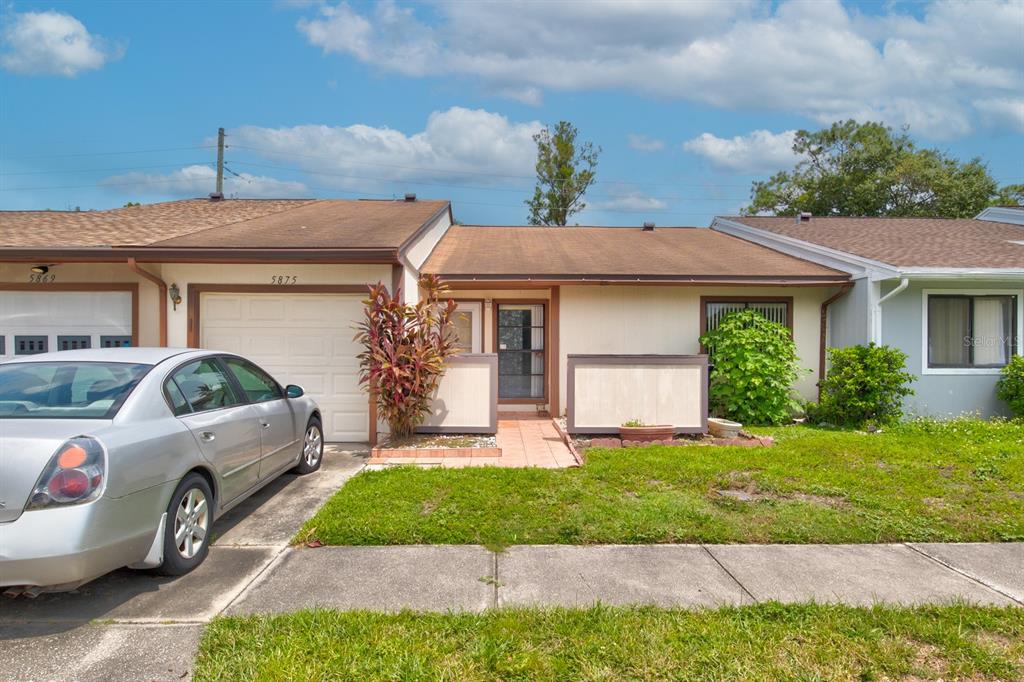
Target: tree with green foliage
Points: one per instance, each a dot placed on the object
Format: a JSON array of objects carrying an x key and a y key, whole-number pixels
[
  {"x": 867, "y": 169},
  {"x": 754, "y": 367},
  {"x": 1010, "y": 195},
  {"x": 565, "y": 170}
]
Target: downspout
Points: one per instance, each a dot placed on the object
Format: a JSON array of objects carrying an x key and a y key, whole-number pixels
[
  {"x": 162, "y": 302},
  {"x": 824, "y": 331},
  {"x": 876, "y": 328}
]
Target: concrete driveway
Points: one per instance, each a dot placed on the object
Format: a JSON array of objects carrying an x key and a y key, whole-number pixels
[{"x": 132, "y": 625}]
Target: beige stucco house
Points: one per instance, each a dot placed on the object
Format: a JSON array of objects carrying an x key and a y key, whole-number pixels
[{"x": 281, "y": 281}]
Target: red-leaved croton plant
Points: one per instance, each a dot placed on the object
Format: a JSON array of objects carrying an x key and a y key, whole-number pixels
[{"x": 405, "y": 347}]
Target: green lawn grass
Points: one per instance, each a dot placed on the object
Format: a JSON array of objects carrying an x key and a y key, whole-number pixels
[
  {"x": 762, "y": 642},
  {"x": 922, "y": 481}
]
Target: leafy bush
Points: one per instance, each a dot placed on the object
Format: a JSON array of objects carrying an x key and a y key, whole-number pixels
[
  {"x": 864, "y": 385},
  {"x": 755, "y": 365},
  {"x": 1010, "y": 388},
  {"x": 405, "y": 349}
]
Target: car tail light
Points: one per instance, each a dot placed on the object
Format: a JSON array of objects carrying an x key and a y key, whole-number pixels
[{"x": 74, "y": 475}]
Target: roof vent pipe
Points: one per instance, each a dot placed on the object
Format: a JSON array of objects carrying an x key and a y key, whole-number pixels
[
  {"x": 648, "y": 226},
  {"x": 804, "y": 217},
  {"x": 409, "y": 196}
]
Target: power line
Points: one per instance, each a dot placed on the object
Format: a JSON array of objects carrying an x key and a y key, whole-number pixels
[
  {"x": 134, "y": 151},
  {"x": 108, "y": 169}
]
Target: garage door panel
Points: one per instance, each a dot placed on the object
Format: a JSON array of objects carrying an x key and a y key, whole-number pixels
[
  {"x": 309, "y": 347},
  {"x": 53, "y": 314},
  {"x": 273, "y": 346},
  {"x": 303, "y": 339},
  {"x": 265, "y": 309},
  {"x": 349, "y": 425},
  {"x": 224, "y": 308}
]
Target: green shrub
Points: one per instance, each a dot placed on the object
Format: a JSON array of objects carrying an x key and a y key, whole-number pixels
[
  {"x": 864, "y": 385},
  {"x": 1010, "y": 388},
  {"x": 755, "y": 365}
]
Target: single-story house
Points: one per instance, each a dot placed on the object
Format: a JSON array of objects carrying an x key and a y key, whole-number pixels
[
  {"x": 601, "y": 324},
  {"x": 947, "y": 292}
]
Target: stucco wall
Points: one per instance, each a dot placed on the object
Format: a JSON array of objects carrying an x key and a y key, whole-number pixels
[
  {"x": 939, "y": 395},
  {"x": 848, "y": 322},
  {"x": 666, "y": 320},
  {"x": 94, "y": 273},
  {"x": 184, "y": 274}
]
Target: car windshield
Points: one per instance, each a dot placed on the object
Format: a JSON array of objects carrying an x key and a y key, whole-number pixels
[{"x": 66, "y": 390}]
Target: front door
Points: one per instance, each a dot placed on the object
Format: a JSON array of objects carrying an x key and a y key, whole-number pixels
[{"x": 520, "y": 341}]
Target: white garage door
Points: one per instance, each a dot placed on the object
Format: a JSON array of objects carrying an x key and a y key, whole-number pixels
[
  {"x": 303, "y": 339},
  {"x": 40, "y": 321}
]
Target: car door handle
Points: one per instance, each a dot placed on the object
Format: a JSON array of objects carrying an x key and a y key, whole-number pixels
[
  {"x": 265, "y": 425},
  {"x": 208, "y": 436}
]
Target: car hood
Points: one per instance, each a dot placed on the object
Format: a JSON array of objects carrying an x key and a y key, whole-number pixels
[{"x": 26, "y": 446}]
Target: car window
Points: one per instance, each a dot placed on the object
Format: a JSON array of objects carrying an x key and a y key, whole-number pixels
[
  {"x": 176, "y": 398},
  {"x": 204, "y": 386},
  {"x": 257, "y": 384},
  {"x": 71, "y": 390}
]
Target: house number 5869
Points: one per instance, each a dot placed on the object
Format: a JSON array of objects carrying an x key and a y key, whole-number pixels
[{"x": 284, "y": 279}]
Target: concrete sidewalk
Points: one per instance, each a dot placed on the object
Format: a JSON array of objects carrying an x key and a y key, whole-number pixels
[{"x": 471, "y": 578}]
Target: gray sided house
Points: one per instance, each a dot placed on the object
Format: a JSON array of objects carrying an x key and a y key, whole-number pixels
[{"x": 947, "y": 292}]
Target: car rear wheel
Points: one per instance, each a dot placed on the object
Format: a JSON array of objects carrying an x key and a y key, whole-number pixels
[
  {"x": 312, "y": 448},
  {"x": 187, "y": 531}
]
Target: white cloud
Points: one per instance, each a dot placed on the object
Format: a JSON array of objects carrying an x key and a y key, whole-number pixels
[
  {"x": 52, "y": 43},
  {"x": 197, "y": 181},
  {"x": 1004, "y": 112},
  {"x": 761, "y": 151},
  {"x": 642, "y": 143},
  {"x": 631, "y": 201},
  {"x": 815, "y": 58},
  {"x": 473, "y": 145}
]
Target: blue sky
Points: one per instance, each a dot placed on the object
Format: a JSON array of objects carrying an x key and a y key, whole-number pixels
[{"x": 107, "y": 102}]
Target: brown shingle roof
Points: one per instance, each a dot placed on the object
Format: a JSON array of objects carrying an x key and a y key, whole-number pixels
[
  {"x": 615, "y": 253},
  {"x": 231, "y": 223},
  {"x": 907, "y": 242}
]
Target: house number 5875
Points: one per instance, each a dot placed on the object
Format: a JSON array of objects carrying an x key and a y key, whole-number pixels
[{"x": 284, "y": 279}]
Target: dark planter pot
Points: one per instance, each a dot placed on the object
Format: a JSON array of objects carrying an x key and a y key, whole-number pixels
[{"x": 647, "y": 434}]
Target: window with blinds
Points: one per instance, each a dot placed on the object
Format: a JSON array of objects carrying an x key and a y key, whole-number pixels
[{"x": 715, "y": 311}]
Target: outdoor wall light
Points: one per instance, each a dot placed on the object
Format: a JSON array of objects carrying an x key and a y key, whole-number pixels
[
  {"x": 175, "y": 293},
  {"x": 41, "y": 269}
]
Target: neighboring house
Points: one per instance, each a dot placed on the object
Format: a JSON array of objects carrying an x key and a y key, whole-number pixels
[
  {"x": 947, "y": 292},
  {"x": 281, "y": 282}
]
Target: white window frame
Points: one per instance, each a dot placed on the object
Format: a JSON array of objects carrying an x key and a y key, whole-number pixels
[
  {"x": 925, "y": 369},
  {"x": 476, "y": 310}
]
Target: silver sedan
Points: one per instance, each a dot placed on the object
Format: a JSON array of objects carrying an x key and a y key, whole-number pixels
[{"x": 125, "y": 457}]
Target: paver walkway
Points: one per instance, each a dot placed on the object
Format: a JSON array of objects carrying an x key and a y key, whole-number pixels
[{"x": 525, "y": 439}]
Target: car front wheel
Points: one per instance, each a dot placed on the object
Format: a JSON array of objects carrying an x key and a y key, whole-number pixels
[
  {"x": 187, "y": 531},
  {"x": 312, "y": 448}
]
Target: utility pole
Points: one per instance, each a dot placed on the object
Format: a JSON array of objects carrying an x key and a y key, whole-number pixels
[{"x": 220, "y": 163}]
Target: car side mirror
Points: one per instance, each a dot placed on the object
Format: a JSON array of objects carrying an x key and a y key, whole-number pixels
[{"x": 293, "y": 391}]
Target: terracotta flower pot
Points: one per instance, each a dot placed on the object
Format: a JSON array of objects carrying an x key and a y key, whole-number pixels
[{"x": 646, "y": 434}]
